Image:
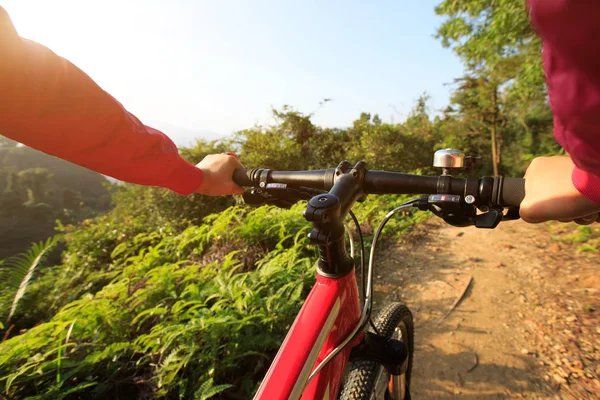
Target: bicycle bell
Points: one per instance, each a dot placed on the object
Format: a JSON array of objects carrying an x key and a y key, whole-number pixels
[{"x": 448, "y": 159}]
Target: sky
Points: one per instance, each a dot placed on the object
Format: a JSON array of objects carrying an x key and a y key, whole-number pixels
[{"x": 209, "y": 68}]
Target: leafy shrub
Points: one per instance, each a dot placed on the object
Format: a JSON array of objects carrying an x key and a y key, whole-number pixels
[
  {"x": 146, "y": 313},
  {"x": 162, "y": 323}
]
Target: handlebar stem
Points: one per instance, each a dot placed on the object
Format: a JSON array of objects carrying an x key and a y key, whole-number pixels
[{"x": 327, "y": 212}]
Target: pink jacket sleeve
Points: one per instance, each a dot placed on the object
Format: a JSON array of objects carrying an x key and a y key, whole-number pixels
[
  {"x": 51, "y": 105},
  {"x": 570, "y": 31}
]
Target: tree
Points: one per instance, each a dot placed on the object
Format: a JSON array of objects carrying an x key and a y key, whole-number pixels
[
  {"x": 400, "y": 147},
  {"x": 328, "y": 147},
  {"x": 495, "y": 35},
  {"x": 502, "y": 94},
  {"x": 296, "y": 126},
  {"x": 479, "y": 107},
  {"x": 36, "y": 182},
  {"x": 283, "y": 146}
]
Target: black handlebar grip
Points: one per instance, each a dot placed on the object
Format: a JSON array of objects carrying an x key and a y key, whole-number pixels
[
  {"x": 242, "y": 177},
  {"x": 513, "y": 191}
]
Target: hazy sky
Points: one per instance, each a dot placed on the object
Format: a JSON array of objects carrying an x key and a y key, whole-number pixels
[{"x": 192, "y": 67}]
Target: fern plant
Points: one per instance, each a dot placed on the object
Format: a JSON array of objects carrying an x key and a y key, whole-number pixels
[
  {"x": 208, "y": 390},
  {"x": 18, "y": 270},
  {"x": 164, "y": 315}
]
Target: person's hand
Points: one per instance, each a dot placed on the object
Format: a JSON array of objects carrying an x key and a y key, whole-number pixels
[
  {"x": 218, "y": 175},
  {"x": 550, "y": 194}
]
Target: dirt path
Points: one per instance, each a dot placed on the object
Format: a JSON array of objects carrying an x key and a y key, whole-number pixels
[{"x": 519, "y": 330}]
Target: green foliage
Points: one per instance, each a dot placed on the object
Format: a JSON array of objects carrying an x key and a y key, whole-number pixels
[
  {"x": 400, "y": 147},
  {"x": 17, "y": 272},
  {"x": 164, "y": 314},
  {"x": 283, "y": 146},
  {"x": 207, "y": 390},
  {"x": 375, "y": 208},
  {"x": 294, "y": 143},
  {"x": 168, "y": 322},
  {"x": 586, "y": 238},
  {"x": 36, "y": 190},
  {"x": 499, "y": 107},
  {"x": 158, "y": 207},
  {"x": 494, "y": 36}
]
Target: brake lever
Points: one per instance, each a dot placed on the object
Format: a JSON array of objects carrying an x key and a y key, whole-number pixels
[
  {"x": 512, "y": 214},
  {"x": 253, "y": 198},
  {"x": 450, "y": 208},
  {"x": 456, "y": 212}
]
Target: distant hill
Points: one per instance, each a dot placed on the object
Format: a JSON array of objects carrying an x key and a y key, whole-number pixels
[{"x": 37, "y": 189}]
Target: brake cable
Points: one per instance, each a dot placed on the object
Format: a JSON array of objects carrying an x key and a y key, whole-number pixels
[
  {"x": 366, "y": 313},
  {"x": 362, "y": 259}
]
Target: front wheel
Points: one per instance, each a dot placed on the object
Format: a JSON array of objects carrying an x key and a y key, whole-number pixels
[{"x": 367, "y": 380}]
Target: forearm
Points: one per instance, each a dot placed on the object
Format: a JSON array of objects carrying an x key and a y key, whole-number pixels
[
  {"x": 51, "y": 105},
  {"x": 571, "y": 36}
]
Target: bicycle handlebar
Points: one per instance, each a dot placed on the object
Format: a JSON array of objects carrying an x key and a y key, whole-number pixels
[
  {"x": 495, "y": 191},
  {"x": 453, "y": 199},
  {"x": 513, "y": 191}
]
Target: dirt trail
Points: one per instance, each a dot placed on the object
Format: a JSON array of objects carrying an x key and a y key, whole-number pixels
[{"x": 519, "y": 330}]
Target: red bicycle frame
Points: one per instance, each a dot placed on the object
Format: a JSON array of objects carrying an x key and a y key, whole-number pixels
[
  {"x": 331, "y": 313},
  {"x": 328, "y": 316}
]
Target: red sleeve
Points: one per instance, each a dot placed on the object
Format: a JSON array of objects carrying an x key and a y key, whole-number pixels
[
  {"x": 49, "y": 104},
  {"x": 570, "y": 31}
]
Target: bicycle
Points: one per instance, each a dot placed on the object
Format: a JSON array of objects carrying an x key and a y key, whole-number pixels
[{"x": 331, "y": 329}]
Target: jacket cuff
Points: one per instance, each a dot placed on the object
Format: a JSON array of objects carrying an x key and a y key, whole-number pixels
[
  {"x": 185, "y": 179},
  {"x": 587, "y": 184}
]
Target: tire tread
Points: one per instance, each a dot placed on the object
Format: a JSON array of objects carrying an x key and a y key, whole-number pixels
[{"x": 360, "y": 379}]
